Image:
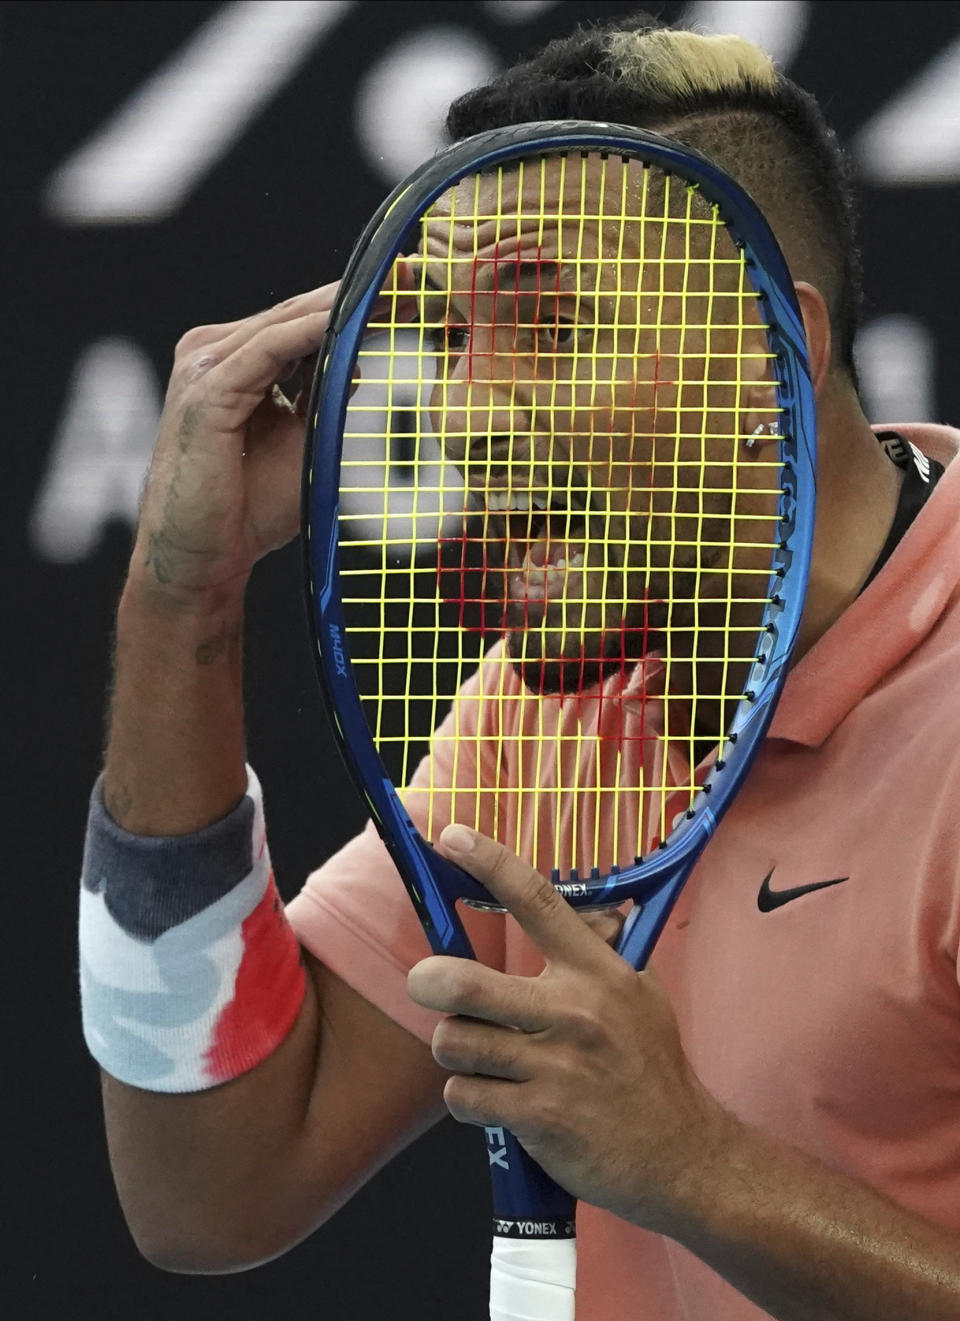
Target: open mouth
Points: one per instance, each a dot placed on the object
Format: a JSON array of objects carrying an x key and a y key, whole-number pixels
[
  {"x": 546, "y": 552},
  {"x": 544, "y": 566},
  {"x": 543, "y": 533},
  {"x": 533, "y": 554}
]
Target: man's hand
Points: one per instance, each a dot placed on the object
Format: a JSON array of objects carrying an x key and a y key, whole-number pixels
[
  {"x": 224, "y": 484},
  {"x": 224, "y": 481},
  {"x": 223, "y": 490},
  {"x": 583, "y": 1063}
]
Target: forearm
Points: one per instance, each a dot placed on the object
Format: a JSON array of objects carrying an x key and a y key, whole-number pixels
[
  {"x": 175, "y": 752},
  {"x": 191, "y": 1167},
  {"x": 806, "y": 1243},
  {"x": 224, "y": 1177}
]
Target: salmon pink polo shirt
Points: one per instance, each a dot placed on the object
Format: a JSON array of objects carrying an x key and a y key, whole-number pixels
[{"x": 828, "y": 1017}]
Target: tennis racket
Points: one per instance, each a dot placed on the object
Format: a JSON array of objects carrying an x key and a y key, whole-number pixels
[{"x": 558, "y": 513}]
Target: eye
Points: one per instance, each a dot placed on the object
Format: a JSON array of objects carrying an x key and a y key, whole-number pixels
[
  {"x": 458, "y": 338},
  {"x": 449, "y": 338},
  {"x": 557, "y": 334}
]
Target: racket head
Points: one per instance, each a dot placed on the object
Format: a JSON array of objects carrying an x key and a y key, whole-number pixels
[{"x": 434, "y": 884}]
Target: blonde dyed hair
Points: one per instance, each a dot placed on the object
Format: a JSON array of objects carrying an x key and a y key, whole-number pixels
[
  {"x": 722, "y": 96},
  {"x": 668, "y": 66}
]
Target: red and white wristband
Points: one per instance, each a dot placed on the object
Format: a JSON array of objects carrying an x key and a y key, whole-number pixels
[{"x": 190, "y": 973}]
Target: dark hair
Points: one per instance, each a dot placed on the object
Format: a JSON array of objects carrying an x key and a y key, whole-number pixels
[{"x": 721, "y": 96}]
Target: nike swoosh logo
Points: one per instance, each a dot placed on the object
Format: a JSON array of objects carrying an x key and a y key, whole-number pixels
[{"x": 768, "y": 900}]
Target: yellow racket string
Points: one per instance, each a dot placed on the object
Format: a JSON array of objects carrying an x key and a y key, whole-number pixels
[
  {"x": 515, "y": 462},
  {"x": 555, "y": 551},
  {"x": 618, "y": 318}
]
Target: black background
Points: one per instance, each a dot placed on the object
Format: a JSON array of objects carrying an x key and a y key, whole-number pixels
[{"x": 274, "y": 214}]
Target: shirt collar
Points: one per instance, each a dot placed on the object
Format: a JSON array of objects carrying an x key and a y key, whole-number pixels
[{"x": 892, "y": 615}]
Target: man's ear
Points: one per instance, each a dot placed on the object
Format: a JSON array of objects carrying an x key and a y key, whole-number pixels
[{"x": 816, "y": 324}]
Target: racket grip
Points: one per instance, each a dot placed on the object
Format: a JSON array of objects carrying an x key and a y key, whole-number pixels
[
  {"x": 534, "y": 1280},
  {"x": 533, "y": 1265}
]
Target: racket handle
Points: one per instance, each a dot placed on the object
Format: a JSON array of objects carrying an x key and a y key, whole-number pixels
[
  {"x": 533, "y": 1280},
  {"x": 533, "y": 1265}
]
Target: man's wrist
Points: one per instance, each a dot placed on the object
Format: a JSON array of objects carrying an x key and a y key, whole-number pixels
[
  {"x": 145, "y": 592},
  {"x": 703, "y": 1177},
  {"x": 190, "y": 974},
  {"x": 176, "y": 750}
]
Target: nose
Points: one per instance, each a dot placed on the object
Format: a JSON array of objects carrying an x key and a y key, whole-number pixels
[{"x": 480, "y": 411}]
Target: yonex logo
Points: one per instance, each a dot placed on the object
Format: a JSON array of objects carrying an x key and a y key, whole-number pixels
[
  {"x": 533, "y": 1228},
  {"x": 336, "y": 647},
  {"x": 571, "y": 889}
]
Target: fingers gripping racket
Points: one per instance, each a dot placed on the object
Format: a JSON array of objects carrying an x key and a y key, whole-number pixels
[{"x": 558, "y": 510}]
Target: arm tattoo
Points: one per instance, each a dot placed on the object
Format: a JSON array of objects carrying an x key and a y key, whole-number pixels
[
  {"x": 158, "y": 556},
  {"x": 222, "y": 643}
]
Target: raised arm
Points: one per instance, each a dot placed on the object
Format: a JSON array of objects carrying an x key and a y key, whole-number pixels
[{"x": 222, "y": 1178}]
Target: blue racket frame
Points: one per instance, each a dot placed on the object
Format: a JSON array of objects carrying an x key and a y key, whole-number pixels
[{"x": 523, "y": 1195}]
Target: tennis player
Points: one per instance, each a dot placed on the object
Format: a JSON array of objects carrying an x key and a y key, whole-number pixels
[{"x": 765, "y": 1125}]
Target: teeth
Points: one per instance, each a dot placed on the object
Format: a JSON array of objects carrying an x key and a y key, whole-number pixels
[
  {"x": 518, "y": 501},
  {"x": 500, "y": 501}
]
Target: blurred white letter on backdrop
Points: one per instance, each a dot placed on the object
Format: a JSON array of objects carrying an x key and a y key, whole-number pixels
[{"x": 100, "y": 452}]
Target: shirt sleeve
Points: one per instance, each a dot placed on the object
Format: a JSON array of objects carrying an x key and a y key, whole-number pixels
[{"x": 353, "y": 913}]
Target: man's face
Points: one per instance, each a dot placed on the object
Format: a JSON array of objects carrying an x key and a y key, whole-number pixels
[{"x": 593, "y": 372}]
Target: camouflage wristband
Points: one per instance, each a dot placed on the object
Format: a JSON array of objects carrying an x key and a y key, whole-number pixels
[{"x": 190, "y": 973}]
